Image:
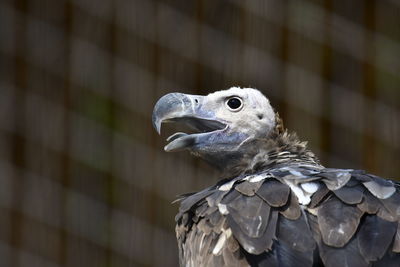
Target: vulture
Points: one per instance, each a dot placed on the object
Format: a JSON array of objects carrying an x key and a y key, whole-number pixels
[{"x": 274, "y": 204}]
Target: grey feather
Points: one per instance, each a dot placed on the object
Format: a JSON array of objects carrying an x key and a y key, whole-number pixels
[
  {"x": 205, "y": 226},
  {"x": 232, "y": 245},
  {"x": 350, "y": 195},
  {"x": 255, "y": 245},
  {"x": 188, "y": 202},
  {"x": 320, "y": 195},
  {"x": 347, "y": 256},
  {"x": 390, "y": 209},
  {"x": 389, "y": 260},
  {"x": 215, "y": 217},
  {"x": 386, "y": 215},
  {"x": 335, "y": 178},
  {"x": 274, "y": 193},
  {"x": 337, "y": 222},
  {"x": 231, "y": 196},
  {"x": 250, "y": 213},
  {"x": 378, "y": 190},
  {"x": 281, "y": 255},
  {"x": 292, "y": 209},
  {"x": 392, "y": 204},
  {"x": 296, "y": 235},
  {"x": 369, "y": 204},
  {"x": 233, "y": 259},
  {"x": 375, "y": 236},
  {"x": 396, "y": 242},
  {"x": 216, "y": 198},
  {"x": 248, "y": 188}
]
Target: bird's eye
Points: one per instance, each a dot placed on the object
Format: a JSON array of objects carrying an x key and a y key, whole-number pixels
[{"x": 234, "y": 103}]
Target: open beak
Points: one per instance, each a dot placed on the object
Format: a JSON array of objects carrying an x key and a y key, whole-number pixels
[{"x": 189, "y": 110}]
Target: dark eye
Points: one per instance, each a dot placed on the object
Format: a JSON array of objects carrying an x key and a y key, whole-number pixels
[{"x": 234, "y": 103}]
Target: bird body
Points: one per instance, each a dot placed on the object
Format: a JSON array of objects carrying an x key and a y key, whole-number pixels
[{"x": 276, "y": 205}]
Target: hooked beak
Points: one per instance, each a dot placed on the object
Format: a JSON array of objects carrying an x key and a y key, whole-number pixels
[{"x": 189, "y": 110}]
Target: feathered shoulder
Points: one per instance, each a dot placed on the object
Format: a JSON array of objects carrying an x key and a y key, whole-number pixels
[{"x": 351, "y": 217}]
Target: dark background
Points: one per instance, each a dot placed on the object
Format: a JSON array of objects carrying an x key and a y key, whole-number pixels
[{"x": 84, "y": 180}]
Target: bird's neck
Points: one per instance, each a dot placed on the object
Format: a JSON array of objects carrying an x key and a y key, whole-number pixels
[
  {"x": 279, "y": 148},
  {"x": 283, "y": 148}
]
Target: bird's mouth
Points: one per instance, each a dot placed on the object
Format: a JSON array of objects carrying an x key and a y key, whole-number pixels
[
  {"x": 198, "y": 127},
  {"x": 189, "y": 112}
]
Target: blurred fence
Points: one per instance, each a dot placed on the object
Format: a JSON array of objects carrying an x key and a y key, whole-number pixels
[{"x": 83, "y": 178}]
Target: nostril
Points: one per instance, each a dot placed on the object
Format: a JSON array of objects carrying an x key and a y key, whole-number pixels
[
  {"x": 260, "y": 116},
  {"x": 196, "y": 100}
]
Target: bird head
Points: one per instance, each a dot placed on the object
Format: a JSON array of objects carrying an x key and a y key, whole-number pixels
[{"x": 223, "y": 122}]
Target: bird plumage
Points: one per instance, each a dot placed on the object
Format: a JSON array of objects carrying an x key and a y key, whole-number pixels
[{"x": 278, "y": 206}]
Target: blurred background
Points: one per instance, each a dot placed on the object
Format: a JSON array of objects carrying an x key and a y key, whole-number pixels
[{"x": 84, "y": 180}]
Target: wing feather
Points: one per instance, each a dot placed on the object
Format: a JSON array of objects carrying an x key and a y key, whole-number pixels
[
  {"x": 396, "y": 242},
  {"x": 338, "y": 222},
  {"x": 248, "y": 188},
  {"x": 353, "y": 220},
  {"x": 292, "y": 209},
  {"x": 296, "y": 234},
  {"x": 375, "y": 236},
  {"x": 350, "y": 195},
  {"x": 255, "y": 245},
  {"x": 250, "y": 213},
  {"x": 274, "y": 193},
  {"x": 369, "y": 204}
]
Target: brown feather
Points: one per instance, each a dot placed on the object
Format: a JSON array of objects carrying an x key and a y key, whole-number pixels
[
  {"x": 250, "y": 214},
  {"x": 248, "y": 188},
  {"x": 396, "y": 242},
  {"x": 320, "y": 195},
  {"x": 350, "y": 195},
  {"x": 292, "y": 209},
  {"x": 369, "y": 204},
  {"x": 375, "y": 236},
  {"x": 274, "y": 193},
  {"x": 337, "y": 222}
]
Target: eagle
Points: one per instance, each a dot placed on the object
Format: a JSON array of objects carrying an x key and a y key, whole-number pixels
[{"x": 275, "y": 204}]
